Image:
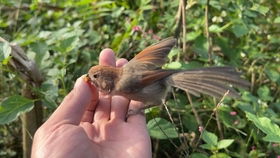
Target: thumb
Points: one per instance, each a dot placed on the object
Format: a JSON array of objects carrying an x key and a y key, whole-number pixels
[{"x": 71, "y": 110}]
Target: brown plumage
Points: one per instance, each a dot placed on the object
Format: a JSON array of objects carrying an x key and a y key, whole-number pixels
[{"x": 142, "y": 78}]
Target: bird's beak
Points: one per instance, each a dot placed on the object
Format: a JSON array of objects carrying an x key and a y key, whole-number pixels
[{"x": 86, "y": 78}]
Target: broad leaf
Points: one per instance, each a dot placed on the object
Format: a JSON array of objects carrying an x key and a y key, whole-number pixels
[
  {"x": 224, "y": 143},
  {"x": 277, "y": 20},
  {"x": 265, "y": 125},
  {"x": 240, "y": 29},
  {"x": 201, "y": 47},
  {"x": 161, "y": 129},
  {"x": 5, "y": 51},
  {"x": 12, "y": 107},
  {"x": 264, "y": 93},
  {"x": 193, "y": 35},
  {"x": 215, "y": 28},
  {"x": 40, "y": 49},
  {"x": 208, "y": 146},
  {"x": 173, "y": 65},
  {"x": 190, "y": 122},
  {"x": 273, "y": 74},
  {"x": 210, "y": 138},
  {"x": 220, "y": 155},
  {"x": 260, "y": 8},
  {"x": 198, "y": 155}
]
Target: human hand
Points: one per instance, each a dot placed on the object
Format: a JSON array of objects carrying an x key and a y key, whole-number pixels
[{"x": 89, "y": 124}]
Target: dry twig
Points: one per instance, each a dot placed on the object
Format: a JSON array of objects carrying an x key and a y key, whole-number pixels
[{"x": 209, "y": 39}]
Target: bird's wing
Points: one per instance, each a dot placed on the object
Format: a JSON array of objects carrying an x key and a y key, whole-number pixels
[
  {"x": 145, "y": 67},
  {"x": 154, "y": 56}
]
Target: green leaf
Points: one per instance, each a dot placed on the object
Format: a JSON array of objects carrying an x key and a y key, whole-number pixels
[
  {"x": 179, "y": 101},
  {"x": 247, "y": 96},
  {"x": 277, "y": 20},
  {"x": 117, "y": 41},
  {"x": 5, "y": 51},
  {"x": 245, "y": 106},
  {"x": 231, "y": 52},
  {"x": 250, "y": 13},
  {"x": 192, "y": 65},
  {"x": 198, "y": 155},
  {"x": 102, "y": 3},
  {"x": 94, "y": 36},
  {"x": 172, "y": 53},
  {"x": 260, "y": 8},
  {"x": 190, "y": 122},
  {"x": 265, "y": 125},
  {"x": 201, "y": 47},
  {"x": 273, "y": 74},
  {"x": 193, "y": 35},
  {"x": 12, "y": 107},
  {"x": 66, "y": 39},
  {"x": 210, "y": 138},
  {"x": 68, "y": 44},
  {"x": 215, "y": 28},
  {"x": 145, "y": 2},
  {"x": 256, "y": 153},
  {"x": 240, "y": 29},
  {"x": 161, "y": 129},
  {"x": 216, "y": 4},
  {"x": 264, "y": 93},
  {"x": 54, "y": 72},
  {"x": 173, "y": 65},
  {"x": 272, "y": 138},
  {"x": 208, "y": 147},
  {"x": 40, "y": 48},
  {"x": 50, "y": 90},
  {"x": 220, "y": 155},
  {"x": 224, "y": 143},
  {"x": 226, "y": 118}
]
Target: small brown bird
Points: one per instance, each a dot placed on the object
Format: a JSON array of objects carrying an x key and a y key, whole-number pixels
[{"x": 143, "y": 79}]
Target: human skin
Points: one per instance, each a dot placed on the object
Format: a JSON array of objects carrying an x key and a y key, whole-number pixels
[{"x": 89, "y": 124}]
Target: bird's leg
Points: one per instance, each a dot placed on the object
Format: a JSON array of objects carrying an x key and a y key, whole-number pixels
[
  {"x": 138, "y": 111},
  {"x": 142, "y": 109}
]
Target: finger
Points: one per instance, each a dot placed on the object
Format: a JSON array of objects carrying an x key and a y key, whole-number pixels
[
  {"x": 138, "y": 118},
  {"x": 107, "y": 57},
  {"x": 121, "y": 62},
  {"x": 89, "y": 112},
  {"x": 71, "y": 110},
  {"x": 119, "y": 106},
  {"x": 102, "y": 112}
]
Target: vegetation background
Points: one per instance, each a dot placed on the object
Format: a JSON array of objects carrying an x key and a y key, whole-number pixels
[{"x": 61, "y": 40}]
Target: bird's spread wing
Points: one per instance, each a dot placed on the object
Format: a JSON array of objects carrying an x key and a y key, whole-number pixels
[
  {"x": 145, "y": 67},
  {"x": 154, "y": 56}
]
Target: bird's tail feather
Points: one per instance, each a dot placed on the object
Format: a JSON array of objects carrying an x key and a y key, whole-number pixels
[{"x": 214, "y": 81}]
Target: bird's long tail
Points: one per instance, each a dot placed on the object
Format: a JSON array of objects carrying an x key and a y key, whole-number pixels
[{"x": 214, "y": 81}]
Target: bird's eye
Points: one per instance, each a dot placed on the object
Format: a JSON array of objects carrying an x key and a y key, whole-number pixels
[{"x": 95, "y": 76}]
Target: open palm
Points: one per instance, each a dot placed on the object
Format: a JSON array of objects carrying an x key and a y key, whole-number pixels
[{"x": 88, "y": 124}]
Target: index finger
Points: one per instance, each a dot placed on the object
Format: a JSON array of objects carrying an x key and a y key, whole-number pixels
[{"x": 102, "y": 111}]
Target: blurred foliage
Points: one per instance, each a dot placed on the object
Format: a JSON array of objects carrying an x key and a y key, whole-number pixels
[{"x": 65, "y": 37}]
